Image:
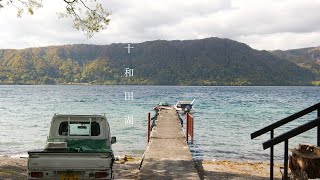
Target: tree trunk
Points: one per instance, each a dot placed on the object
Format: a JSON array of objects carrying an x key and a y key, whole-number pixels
[{"x": 306, "y": 158}]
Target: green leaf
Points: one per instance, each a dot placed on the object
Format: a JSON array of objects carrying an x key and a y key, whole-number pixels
[{"x": 30, "y": 10}]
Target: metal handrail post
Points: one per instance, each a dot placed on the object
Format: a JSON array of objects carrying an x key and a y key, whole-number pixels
[
  {"x": 318, "y": 130},
  {"x": 286, "y": 149},
  {"x": 271, "y": 156}
]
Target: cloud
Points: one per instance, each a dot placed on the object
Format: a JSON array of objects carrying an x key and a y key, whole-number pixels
[
  {"x": 282, "y": 41},
  {"x": 263, "y": 24},
  {"x": 41, "y": 29}
]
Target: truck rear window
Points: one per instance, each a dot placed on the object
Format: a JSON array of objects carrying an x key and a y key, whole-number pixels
[{"x": 79, "y": 128}]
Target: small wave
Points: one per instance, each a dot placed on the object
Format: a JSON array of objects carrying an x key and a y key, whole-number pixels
[
  {"x": 34, "y": 125},
  {"x": 3, "y": 108},
  {"x": 81, "y": 100}
]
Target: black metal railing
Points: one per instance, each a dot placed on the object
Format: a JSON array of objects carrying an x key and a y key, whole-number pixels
[{"x": 286, "y": 136}]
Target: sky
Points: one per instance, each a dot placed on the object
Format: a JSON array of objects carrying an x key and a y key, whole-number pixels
[{"x": 262, "y": 24}]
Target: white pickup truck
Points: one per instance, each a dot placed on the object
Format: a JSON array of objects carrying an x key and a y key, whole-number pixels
[{"x": 78, "y": 147}]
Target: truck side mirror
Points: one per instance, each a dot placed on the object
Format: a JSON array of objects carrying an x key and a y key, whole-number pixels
[{"x": 113, "y": 139}]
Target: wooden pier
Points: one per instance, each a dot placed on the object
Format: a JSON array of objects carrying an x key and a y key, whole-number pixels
[{"x": 167, "y": 155}]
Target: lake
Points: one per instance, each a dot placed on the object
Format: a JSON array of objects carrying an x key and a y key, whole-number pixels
[{"x": 224, "y": 118}]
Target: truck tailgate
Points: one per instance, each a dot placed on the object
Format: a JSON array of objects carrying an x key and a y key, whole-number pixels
[{"x": 68, "y": 161}]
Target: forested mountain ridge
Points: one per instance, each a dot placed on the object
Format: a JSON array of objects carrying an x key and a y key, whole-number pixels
[
  {"x": 211, "y": 61},
  {"x": 308, "y": 58}
]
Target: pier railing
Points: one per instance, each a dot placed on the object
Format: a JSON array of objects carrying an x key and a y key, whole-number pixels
[
  {"x": 189, "y": 127},
  {"x": 287, "y": 135}
]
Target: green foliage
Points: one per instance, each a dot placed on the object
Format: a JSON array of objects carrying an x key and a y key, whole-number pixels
[
  {"x": 91, "y": 21},
  {"x": 211, "y": 61},
  {"x": 22, "y": 5},
  {"x": 316, "y": 83}
]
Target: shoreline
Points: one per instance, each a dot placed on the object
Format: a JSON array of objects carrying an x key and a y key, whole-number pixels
[
  {"x": 128, "y": 168},
  {"x": 182, "y": 85}
]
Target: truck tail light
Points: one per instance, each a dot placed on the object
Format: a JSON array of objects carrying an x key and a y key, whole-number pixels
[
  {"x": 36, "y": 174},
  {"x": 101, "y": 174}
]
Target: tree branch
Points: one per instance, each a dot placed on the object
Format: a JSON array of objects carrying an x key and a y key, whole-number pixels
[
  {"x": 72, "y": 1},
  {"x": 87, "y": 18},
  {"x": 86, "y": 6},
  {"x": 76, "y": 14}
]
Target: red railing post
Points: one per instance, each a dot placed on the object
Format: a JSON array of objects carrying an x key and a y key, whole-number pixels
[
  {"x": 148, "y": 130},
  {"x": 187, "y": 126},
  {"x": 191, "y": 130}
]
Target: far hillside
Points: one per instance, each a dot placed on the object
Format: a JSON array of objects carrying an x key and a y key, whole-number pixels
[
  {"x": 211, "y": 61},
  {"x": 308, "y": 58}
]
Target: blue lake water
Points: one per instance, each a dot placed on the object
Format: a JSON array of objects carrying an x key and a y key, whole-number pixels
[{"x": 224, "y": 119}]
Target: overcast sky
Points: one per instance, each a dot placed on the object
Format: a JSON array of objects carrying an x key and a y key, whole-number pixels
[{"x": 262, "y": 24}]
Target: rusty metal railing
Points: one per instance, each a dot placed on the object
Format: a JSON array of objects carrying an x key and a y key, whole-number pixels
[{"x": 189, "y": 127}]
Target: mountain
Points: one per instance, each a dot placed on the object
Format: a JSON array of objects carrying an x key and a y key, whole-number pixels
[
  {"x": 308, "y": 58},
  {"x": 210, "y": 61}
]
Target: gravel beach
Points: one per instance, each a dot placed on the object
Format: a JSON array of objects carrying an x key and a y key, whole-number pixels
[
  {"x": 231, "y": 170},
  {"x": 15, "y": 168}
]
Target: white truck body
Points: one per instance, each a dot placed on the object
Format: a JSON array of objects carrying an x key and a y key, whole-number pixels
[{"x": 91, "y": 156}]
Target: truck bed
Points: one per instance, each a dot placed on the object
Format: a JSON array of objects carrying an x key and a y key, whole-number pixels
[{"x": 72, "y": 161}]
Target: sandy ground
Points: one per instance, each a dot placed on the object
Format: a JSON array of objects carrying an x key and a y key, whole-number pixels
[
  {"x": 223, "y": 170},
  {"x": 15, "y": 168}
]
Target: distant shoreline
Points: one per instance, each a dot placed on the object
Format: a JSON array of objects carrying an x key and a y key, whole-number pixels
[{"x": 90, "y": 84}]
